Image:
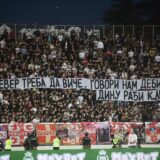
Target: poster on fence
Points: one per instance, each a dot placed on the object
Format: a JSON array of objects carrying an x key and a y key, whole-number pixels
[
  {"x": 72, "y": 133},
  {"x": 3, "y": 131},
  {"x": 102, "y": 132},
  {"x": 152, "y": 132},
  {"x": 122, "y": 129},
  {"x": 18, "y": 132},
  {"x": 90, "y": 127},
  {"x": 46, "y": 132}
]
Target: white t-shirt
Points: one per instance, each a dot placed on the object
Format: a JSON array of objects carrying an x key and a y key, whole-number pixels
[
  {"x": 86, "y": 70},
  {"x": 3, "y": 43},
  {"x": 124, "y": 75},
  {"x": 157, "y": 58},
  {"x": 130, "y": 54},
  {"x": 119, "y": 52},
  {"x": 132, "y": 139},
  {"x": 132, "y": 67},
  {"x": 37, "y": 67},
  {"x": 100, "y": 45},
  {"x": 82, "y": 55},
  {"x": 80, "y": 98},
  {"x": 35, "y": 120},
  {"x": 1, "y": 97},
  {"x": 17, "y": 50},
  {"x": 60, "y": 37}
]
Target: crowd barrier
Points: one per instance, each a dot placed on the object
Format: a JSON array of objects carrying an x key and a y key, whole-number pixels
[
  {"x": 93, "y": 154},
  {"x": 147, "y": 31},
  {"x": 72, "y": 133}
]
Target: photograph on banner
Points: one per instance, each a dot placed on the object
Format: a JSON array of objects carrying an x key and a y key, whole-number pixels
[
  {"x": 103, "y": 132},
  {"x": 121, "y": 130},
  {"x": 3, "y": 131},
  {"x": 18, "y": 132},
  {"x": 90, "y": 128},
  {"x": 70, "y": 133},
  {"x": 152, "y": 130}
]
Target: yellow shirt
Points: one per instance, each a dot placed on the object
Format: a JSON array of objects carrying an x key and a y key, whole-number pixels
[
  {"x": 56, "y": 142},
  {"x": 8, "y": 144}
]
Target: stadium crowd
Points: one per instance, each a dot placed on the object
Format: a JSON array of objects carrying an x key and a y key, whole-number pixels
[{"x": 105, "y": 57}]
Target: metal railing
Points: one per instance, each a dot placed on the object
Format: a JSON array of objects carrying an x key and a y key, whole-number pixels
[{"x": 146, "y": 31}]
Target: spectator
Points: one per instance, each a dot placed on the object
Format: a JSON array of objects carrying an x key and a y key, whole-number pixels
[
  {"x": 27, "y": 143},
  {"x": 132, "y": 139},
  {"x": 116, "y": 142},
  {"x": 1, "y": 145},
  {"x": 8, "y": 144},
  {"x": 56, "y": 143}
]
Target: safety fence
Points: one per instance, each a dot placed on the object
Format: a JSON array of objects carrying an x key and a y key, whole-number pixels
[
  {"x": 146, "y": 31},
  {"x": 92, "y": 154},
  {"x": 72, "y": 133}
]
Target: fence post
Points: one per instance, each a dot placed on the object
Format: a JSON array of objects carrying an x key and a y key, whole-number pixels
[
  {"x": 153, "y": 31},
  {"x": 132, "y": 30},
  {"x": 84, "y": 31},
  {"x": 113, "y": 30},
  {"x": 143, "y": 31},
  {"x": 15, "y": 31},
  {"x": 103, "y": 29},
  {"x": 123, "y": 30}
]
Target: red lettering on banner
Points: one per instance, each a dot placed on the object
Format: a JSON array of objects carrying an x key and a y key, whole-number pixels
[
  {"x": 18, "y": 132},
  {"x": 28, "y": 127}
]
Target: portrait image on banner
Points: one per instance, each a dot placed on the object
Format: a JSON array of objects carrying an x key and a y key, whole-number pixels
[
  {"x": 102, "y": 132},
  {"x": 121, "y": 130},
  {"x": 73, "y": 133},
  {"x": 70, "y": 133}
]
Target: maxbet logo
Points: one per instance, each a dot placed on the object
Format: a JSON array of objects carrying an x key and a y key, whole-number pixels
[
  {"x": 134, "y": 156},
  {"x": 65, "y": 156},
  {"x": 127, "y": 156}
]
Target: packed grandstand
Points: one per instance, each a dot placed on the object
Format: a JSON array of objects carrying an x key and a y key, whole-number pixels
[
  {"x": 31, "y": 57},
  {"x": 44, "y": 53}
]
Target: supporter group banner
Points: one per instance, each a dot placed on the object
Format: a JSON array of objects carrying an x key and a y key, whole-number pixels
[
  {"x": 72, "y": 133},
  {"x": 3, "y": 131},
  {"x": 152, "y": 130},
  {"x": 126, "y": 95},
  {"x": 79, "y": 154},
  {"x": 18, "y": 132},
  {"x": 106, "y": 89}
]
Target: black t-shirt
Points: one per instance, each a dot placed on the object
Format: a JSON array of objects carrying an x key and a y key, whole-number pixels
[
  {"x": 1, "y": 144},
  {"x": 86, "y": 141}
]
